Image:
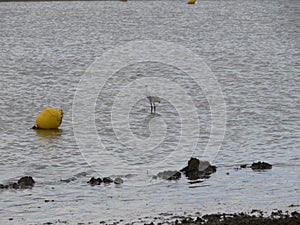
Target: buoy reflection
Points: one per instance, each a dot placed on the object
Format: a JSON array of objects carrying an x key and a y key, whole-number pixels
[{"x": 49, "y": 134}]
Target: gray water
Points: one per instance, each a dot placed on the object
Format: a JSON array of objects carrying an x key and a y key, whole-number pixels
[{"x": 251, "y": 47}]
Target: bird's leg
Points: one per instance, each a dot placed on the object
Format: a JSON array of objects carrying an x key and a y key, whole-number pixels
[
  {"x": 154, "y": 107},
  {"x": 151, "y": 107}
]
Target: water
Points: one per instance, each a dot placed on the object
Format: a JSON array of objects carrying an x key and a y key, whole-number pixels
[{"x": 252, "y": 48}]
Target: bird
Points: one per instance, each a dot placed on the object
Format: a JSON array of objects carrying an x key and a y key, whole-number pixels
[{"x": 152, "y": 99}]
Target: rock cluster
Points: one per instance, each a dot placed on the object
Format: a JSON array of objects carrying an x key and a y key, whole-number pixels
[
  {"x": 106, "y": 180},
  {"x": 261, "y": 166},
  {"x": 196, "y": 169},
  {"x": 23, "y": 182}
]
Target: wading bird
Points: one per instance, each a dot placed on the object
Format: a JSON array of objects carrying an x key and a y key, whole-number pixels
[{"x": 152, "y": 99}]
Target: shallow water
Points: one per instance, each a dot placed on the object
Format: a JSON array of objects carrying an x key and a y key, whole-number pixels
[{"x": 252, "y": 49}]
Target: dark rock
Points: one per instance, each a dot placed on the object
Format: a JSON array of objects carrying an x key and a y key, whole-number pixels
[
  {"x": 212, "y": 217},
  {"x": 260, "y": 212},
  {"x": 193, "y": 164},
  {"x": 197, "y": 169},
  {"x": 14, "y": 186},
  {"x": 169, "y": 175},
  {"x": 175, "y": 176},
  {"x": 93, "y": 181},
  {"x": 107, "y": 180},
  {"x": 10, "y": 185},
  {"x": 292, "y": 205},
  {"x": 23, "y": 182},
  {"x": 2, "y": 186},
  {"x": 199, "y": 220},
  {"x": 187, "y": 220},
  {"x": 26, "y": 181},
  {"x": 261, "y": 166},
  {"x": 295, "y": 214},
  {"x": 118, "y": 180},
  {"x": 243, "y": 166}
]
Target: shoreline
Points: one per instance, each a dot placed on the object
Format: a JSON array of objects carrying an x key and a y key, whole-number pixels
[{"x": 255, "y": 217}]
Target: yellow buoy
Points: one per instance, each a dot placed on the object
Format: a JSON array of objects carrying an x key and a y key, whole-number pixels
[
  {"x": 191, "y": 1},
  {"x": 49, "y": 118}
]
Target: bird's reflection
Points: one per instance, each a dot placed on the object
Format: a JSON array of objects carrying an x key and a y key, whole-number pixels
[{"x": 144, "y": 129}]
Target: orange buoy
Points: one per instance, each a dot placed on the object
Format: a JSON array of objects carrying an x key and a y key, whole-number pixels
[{"x": 49, "y": 118}]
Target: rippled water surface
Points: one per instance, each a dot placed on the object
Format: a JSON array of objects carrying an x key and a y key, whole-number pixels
[{"x": 251, "y": 48}]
